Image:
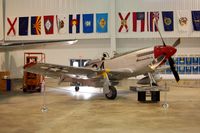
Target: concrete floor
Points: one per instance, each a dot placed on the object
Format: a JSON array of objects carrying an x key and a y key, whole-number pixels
[{"x": 89, "y": 112}]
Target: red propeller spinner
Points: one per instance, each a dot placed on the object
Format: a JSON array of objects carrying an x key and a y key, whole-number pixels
[{"x": 167, "y": 51}]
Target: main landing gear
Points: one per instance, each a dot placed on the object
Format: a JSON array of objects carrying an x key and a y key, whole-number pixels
[{"x": 112, "y": 94}]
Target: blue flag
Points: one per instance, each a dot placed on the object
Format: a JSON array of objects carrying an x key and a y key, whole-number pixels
[
  {"x": 88, "y": 23},
  {"x": 102, "y": 22},
  {"x": 74, "y": 23},
  {"x": 23, "y": 26},
  {"x": 168, "y": 20},
  {"x": 36, "y": 25},
  {"x": 196, "y": 20}
]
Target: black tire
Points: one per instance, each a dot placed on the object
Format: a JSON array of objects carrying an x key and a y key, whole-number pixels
[
  {"x": 155, "y": 96},
  {"x": 112, "y": 94},
  {"x": 77, "y": 88},
  {"x": 141, "y": 96}
]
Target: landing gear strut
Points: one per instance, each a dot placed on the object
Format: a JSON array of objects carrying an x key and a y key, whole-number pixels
[{"x": 112, "y": 94}]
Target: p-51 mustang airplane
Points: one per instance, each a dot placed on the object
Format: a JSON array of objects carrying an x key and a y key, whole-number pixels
[{"x": 107, "y": 73}]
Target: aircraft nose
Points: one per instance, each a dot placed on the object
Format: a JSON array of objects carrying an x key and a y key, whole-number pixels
[
  {"x": 167, "y": 51},
  {"x": 172, "y": 50}
]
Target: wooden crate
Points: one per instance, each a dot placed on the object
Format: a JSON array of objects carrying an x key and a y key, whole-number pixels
[{"x": 2, "y": 80}]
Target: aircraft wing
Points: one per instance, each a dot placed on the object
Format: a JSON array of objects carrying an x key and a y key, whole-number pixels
[{"x": 55, "y": 71}]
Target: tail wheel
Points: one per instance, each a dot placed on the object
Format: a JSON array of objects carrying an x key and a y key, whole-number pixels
[
  {"x": 77, "y": 88},
  {"x": 112, "y": 94}
]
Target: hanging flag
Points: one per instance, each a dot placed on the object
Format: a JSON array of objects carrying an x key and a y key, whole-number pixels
[
  {"x": 23, "y": 26},
  {"x": 184, "y": 20},
  {"x": 102, "y": 22},
  {"x": 124, "y": 22},
  {"x": 12, "y": 30},
  {"x": 152, "y": 18},
  {"x": 49, "y": 24},
  {"x": 36, "y": 25},
  {"x": 88, "y": 23},
  {"x": 138, "y": 21},
  {"x": 196, "y": 20},
  {"x": 61, "y": 21},
  {"x": 74, "y": 23},
  {"x": 168, "y": 20}
]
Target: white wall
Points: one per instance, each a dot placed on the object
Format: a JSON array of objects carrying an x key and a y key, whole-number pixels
[
  {"x": 2, "y": 62},
  {"x": 1, "y": 20},
  {"x": 127, "y": 44}
]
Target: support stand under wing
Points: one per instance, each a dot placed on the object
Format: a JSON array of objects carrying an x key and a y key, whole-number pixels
[{"x": 151, "y": 94}]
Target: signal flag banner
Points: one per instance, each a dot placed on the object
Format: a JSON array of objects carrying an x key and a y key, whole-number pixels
[
  {"x": 168, "y": 20},
  {"x": 88, "y": 23},
  {"x": 124, "y": 22},
  {"x": 36, "y": 25},
  {"x": 49, "y": 24},
  {"x": 23, "y": 26},
  {"x": 61, "y": 24},
  {"x": 152, "y": 18},
  {"x": 196, "y": 20},
  {"x": 102, "y": 22},
  {"x": 74, "y": 23},
  {"x": 12, "y": 29},
  {"x": 138, "y": 21},
  {"x": 184, "y": 20}
]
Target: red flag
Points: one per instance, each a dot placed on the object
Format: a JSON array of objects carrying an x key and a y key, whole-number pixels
[
  {"x": 12, "y": 26},
  {"x": 152, "y": 18},
  {"x": 123, "y": 22},
  {"x": 48, "y": 24},
  {"x": 138, "y": 21}
]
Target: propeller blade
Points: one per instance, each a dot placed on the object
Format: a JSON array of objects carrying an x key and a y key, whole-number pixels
[
  {"x": 172, "y": 67},
  {"x": 178, "y": 41},
  {"x": 176, "y": 75},
  {"x": 159, "y": 33},
  {"x": 156, "y": 62},
  {"x": 171, "y": 62}
]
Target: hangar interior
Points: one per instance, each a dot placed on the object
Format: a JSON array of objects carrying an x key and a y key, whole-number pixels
[{"x": 91, "y": 112}]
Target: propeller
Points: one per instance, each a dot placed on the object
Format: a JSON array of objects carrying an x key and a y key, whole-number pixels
[
  {"x": 177, "y": 42},
  {"x": 170, "y": 60},
  {"x": 155, "y": 63},
  {"x": 172, "y": 67},
  {"x": 156, "y": 24}
]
